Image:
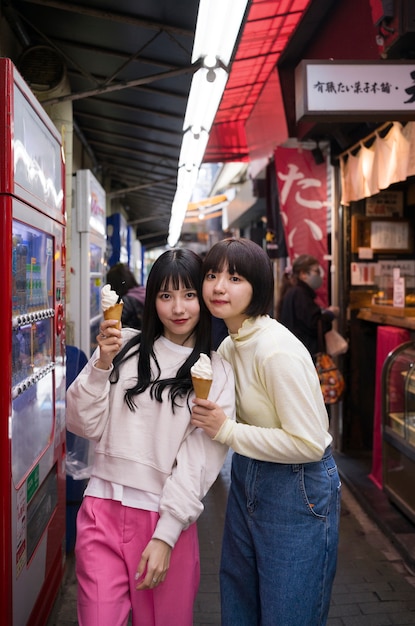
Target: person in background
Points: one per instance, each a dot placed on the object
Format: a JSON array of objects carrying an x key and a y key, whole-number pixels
[
  {"x": 297, "y": 308},
  {"x": 123, "y": 282},
  {"x": 137, "y": 544},
  {"x": 280, "y": 540}
]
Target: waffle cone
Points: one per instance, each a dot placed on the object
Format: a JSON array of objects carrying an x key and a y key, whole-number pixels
[
  {"x": 114, "y": 313},
  {"x": 201, "y": 387}
]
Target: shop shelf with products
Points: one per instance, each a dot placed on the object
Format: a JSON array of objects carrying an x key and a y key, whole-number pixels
[{"x": 383, "y": 301}]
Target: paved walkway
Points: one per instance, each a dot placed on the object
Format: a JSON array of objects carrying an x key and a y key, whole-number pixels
[{"x": 373, "y": 587}]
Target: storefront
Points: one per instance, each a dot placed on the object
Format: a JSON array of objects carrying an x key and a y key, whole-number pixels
[
  {"x": 378, "y": 196},
  {"x": 375, "y": 240}
]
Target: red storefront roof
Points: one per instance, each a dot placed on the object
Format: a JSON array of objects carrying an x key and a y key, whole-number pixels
[{"x": 267, "y": 30}]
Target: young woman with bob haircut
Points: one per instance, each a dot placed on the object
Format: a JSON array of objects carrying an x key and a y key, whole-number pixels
[{"x": 280, "y": 538}]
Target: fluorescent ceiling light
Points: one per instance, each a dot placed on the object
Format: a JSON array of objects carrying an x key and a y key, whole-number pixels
[
  {"x": 217, "y": 29},
  {"x": 186, "y": 181},
  {"x": 204, "y": 98},
  {"x": 178, "y": 212},
  {"x": 193, "y": 148}
]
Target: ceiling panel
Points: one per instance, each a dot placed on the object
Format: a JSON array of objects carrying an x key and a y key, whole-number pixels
[{"x": 129, "y": 69}]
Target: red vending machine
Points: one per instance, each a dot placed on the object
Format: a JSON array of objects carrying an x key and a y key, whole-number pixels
[{"x": 32, "y": 384}]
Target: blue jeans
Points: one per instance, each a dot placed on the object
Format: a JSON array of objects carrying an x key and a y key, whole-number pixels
[{"x": 279, "y": 550}]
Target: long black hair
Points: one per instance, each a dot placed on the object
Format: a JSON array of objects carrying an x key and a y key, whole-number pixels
[{"x": 174, "y": 269}]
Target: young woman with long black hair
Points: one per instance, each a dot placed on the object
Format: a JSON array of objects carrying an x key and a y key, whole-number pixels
[{"x": 137, "y": 546}]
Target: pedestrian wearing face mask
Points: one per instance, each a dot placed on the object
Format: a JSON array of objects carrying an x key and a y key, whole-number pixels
[{"x": 297, "y": 308}]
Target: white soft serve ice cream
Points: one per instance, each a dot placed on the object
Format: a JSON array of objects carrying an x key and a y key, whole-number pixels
[
  {"x": 112, "y": 305},
  {"x": 202, "y": 368},
  {"x": 109, "y": 297}
]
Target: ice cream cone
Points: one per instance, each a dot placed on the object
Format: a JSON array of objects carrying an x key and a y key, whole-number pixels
[
  {"x": 201, "y": 387},
  {"x": 114, "y": 313}
]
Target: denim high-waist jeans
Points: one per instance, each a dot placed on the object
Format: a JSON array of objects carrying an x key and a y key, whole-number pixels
[{"x": 280, "y": 543}]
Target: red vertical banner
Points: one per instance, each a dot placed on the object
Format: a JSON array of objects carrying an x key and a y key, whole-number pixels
[{"x": 302, "y": 188}]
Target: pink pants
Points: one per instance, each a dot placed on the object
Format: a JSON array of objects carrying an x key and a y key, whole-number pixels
[{"x": 110, "y": 540}]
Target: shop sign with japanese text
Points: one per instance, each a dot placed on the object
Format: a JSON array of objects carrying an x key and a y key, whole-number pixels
[
  {"x": 352, "y": 90},
  {"x": 304, "y": 206}
]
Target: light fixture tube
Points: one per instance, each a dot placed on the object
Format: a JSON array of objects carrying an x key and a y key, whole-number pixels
[
  {"x": 178, "y": 212},
  {"x": 186, "y": 181},
  {"x": 217, "y": 28},
  {"x": 204, "y": 98},
  {"x": 186, "y": 178},
  {"x": 193, "y": 148}
]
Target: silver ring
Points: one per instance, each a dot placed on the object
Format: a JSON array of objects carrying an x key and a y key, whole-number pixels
[
  {"x": 103, "y": 336},
  {"x": 154, "y": 580}
]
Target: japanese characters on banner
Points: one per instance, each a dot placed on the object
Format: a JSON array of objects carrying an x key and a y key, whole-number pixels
[{"x": 302, "y": 187}]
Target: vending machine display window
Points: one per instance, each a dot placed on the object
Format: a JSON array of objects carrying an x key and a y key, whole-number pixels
[
  {"x": 96, "y": 260},
  {"x": 32, "y": 264},
  {"x": 95, "y": 296},
  {"x": 37, "y": 159},
  {"x": 95, "y": 286},
  {"x": 32, "y": 346}
]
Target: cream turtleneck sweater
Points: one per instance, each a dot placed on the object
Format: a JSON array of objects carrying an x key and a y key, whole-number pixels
[{"x": 281, "y": 416}]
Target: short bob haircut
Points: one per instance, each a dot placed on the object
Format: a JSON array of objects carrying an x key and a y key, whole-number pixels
[{"x": 244, "y": 257}]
